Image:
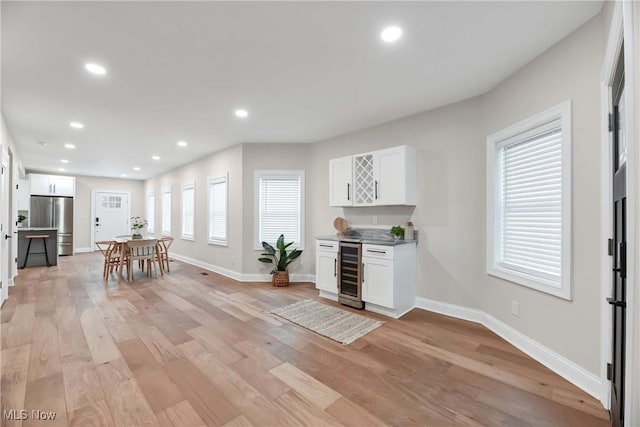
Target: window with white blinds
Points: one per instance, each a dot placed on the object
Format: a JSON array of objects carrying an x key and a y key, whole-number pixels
[
  {"x": 151, "y": 211},
  {"x": 280, "y": 207},
  {"x": 188, "y": 211},
  {"x": 529, "y": 207},
  {"x": 166, "y": 210},
  {"x": 218, "y": 211}
]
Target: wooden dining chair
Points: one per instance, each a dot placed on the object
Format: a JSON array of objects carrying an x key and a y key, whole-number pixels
[
  {"x": 164, "y": 244},
  {"x": 142, "y": 250},
  {"x": 111, "y": 251}
]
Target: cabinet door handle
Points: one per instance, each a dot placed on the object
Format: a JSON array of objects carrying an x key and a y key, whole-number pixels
[
  {"x": 376, "y": 182},
  {"x": 363, "y": 272},
  {"x": 324, "y": 246},
  {"x": 373, "y": 251},
  {"x": 348, "y": 191},
  {"x": 335, "y": 267}
]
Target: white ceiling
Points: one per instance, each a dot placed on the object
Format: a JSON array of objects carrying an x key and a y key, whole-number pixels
[{"x": 305, "y": 71}]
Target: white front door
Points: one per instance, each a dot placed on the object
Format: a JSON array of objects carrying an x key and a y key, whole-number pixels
[
  {"x": 4, "y": 230},
  {"x": 111, "y": 215}
]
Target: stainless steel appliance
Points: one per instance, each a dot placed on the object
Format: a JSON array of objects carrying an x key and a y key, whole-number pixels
[
  {"x": 350, "y": 275},
  {"x": 54, "y": 212}
]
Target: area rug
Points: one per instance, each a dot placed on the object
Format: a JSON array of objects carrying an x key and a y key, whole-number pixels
[{"x": 331, "y": 322}]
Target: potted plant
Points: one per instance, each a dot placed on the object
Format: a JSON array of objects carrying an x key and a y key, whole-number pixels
[
  {"x": 398, "y": 232},
  {"x": 281, "y": 258},
  {"x": 137, "y": 224},
  {"x": 20, "y": 219}
]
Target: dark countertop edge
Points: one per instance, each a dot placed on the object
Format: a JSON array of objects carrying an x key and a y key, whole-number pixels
[{"x": 365, "y": 241}]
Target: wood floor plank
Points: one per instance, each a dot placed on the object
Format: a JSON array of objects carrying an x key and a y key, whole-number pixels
[
  {"x": 183, "y": 413},
  {"x": 215, "y": 345},
  {"x": 241, "y": 394},
  {"x": 152, "y": 379},
  {"x": 46, "y": 395},
  {"x": 124, "y": 397},
  {"x": 24, "y": 313},
  {"x": 103, "y": 348},
  {"x": 313, "y": 390},
  {"x": 96, "y": 414},
  {"x": 307, "y": 413},
  {"x": 16, "y": 334},
  {"x": 350, "y": 414},
  {"x": 81, "y": 384},
  {"x": 45, "y": 351},
  {"x": 208, "y": 402},
  {"x": 71, "y": 339},
  {"x": 15, "y": 365},
  {"x": 240, "y": 421}
]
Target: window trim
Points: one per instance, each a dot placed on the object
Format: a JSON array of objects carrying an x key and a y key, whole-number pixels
[
  {"x": 218, "y": 180},
  {"x": 495, "y": 142},
  {"x": 258, "y": 174},
  {"x": 165, "y": 190},
  {"x": 151, "y": 211},
  {"x": 187, "y": 186}
]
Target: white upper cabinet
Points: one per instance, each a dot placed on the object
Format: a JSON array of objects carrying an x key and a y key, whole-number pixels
[
  {"x": 341, "y": 181},
  {"x": 52, "y": 185},
  {"x": 379, "y": 178}
]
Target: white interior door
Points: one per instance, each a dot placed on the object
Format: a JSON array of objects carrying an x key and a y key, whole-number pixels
[
  {"x": 111, "y": 215},
  {"x": 4, "y": 230}
]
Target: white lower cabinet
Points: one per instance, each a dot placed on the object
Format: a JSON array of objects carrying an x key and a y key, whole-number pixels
[
  {"x": 389, "y": 285},
  {"x": 377, "y": 286},
  {"x": 327, "y": 267}
]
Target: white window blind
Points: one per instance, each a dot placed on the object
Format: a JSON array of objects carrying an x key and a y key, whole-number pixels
[
  {"x": 531, "y": 203},
  {"x": 280, "y": 201},
  {"x": 166, "y": 210},
  {"x": 529, "y": 208},
  {"x": 188, "y": 211},
  {"x": 151, "y": 210},
  {"x": 218, "y": 210}
]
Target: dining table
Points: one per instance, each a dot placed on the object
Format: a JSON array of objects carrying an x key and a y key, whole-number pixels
[{"x": 122, "y": 242}]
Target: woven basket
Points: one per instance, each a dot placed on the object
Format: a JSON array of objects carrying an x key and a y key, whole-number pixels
[{"x": 280, "y": 278}]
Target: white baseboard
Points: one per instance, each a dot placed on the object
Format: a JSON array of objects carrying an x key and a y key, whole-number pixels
[
  {"x": 82, "y": 250},
  {"x": 585, "y": 380},
  {"x": 239, "y": 276}
]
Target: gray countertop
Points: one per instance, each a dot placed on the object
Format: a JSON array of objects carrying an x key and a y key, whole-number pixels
[
  {"x": 365, "y": 241},
  {"x": 37, "y": 229}
]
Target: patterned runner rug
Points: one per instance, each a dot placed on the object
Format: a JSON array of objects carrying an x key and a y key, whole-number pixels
[{"x": 326, "y": 320}]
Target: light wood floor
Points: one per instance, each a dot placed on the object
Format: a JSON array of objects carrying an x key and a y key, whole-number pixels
[{"x": 192, "y": 349}]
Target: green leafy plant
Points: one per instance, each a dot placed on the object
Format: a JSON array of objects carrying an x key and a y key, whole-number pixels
[
  {"x": 21, "y": 217},
  {"x": 397, "y": 231},
  {"x": 279, "y": 255},
  {"x": 138, "y": 223}
]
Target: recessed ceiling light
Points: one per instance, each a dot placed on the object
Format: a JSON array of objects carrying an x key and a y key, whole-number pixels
[
  {"x": 136, "y": 168},
  {"x": 69, "y": 146},
  {"x": 182, "y": 144},
  {"x": 76, "y": 125},
  {"x": 42, "y": 143},
  {"x": 155, "y": 157},
  {"x": 391, "y": 34},
  {"x": 64, "y": 161},
  {"x": 241, "y": 113},
  {"x": 124, "y": 175},
  {"x": 95, "y": 69},
  {"x": 60, "y": 169}
]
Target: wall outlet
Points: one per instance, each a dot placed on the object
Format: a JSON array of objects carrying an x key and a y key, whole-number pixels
[
  {"x": 515, "y": 308},
  {"x": 375, "y": 220}
]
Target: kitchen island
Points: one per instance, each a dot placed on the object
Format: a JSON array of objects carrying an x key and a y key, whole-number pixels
[{"x": 36, "y": 253}]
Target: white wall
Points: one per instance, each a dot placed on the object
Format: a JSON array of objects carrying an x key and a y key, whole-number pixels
[
  {"x": 218, "y": 164},
  {"x": 84, "y": 186},
  {"x": 274, "y": 157}
]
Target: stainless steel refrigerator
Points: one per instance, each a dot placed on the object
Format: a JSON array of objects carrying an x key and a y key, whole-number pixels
[{"x": 54, "y": 212}]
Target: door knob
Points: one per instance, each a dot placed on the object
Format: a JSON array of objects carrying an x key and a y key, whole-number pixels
[
  {"x": 6, "y": 236},
  {"x": 616, "y": 302}
]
